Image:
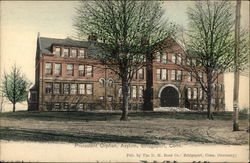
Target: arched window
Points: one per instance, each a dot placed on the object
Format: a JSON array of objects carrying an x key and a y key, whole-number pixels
[
  {"x": 110, "y": 82},
  {"x": 120, "y": 92},
  {"x": 102, "y": 82}
]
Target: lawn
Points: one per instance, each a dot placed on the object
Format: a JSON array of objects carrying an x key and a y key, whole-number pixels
[{"x": 142, "y": 127}]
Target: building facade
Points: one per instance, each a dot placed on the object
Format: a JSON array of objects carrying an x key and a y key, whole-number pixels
[{"x": 67, "y": 78}]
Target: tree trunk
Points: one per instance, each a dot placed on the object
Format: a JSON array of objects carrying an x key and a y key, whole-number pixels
[
  {"x": 125, "y": 88},
  {"x": 14, "y": 107},
  {"x": 236, "y": 71},
  {"x": 148, "y": 93},
  {"x": 209, "y": 98}
]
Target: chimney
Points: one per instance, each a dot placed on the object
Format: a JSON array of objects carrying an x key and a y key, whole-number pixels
[{"x": 92, "y": 37}]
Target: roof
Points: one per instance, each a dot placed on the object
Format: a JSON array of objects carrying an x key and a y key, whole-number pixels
[{"x": 47, "y": 43}]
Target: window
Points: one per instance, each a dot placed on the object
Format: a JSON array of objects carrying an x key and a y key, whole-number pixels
[
  {"x": 66, "y": 105},
  {"x": 201, "y": 94},
  {"x": 158, "y": 74},
  {"x": 73, "y": 89},
  {"x": 48, "y": 88},
  {"x": 179, "y": 75},
  {"x": 220, "y": 87},
  {"x": 57, "y": 106},
  {"x": 57, "y": 52},
  {"x": 49, "y": 105},
  {"x": 80, "y": 106},
  {"x": 193, "y": 62},
  {"x": 48, "y": 68},
  {"x": 213, "y": 86},
  {"x": 66, "y": 88},
  {"x": 81, "y": 70},
  {"x": 141, "y": 73},
  {"x": 58, "y": 69},
  {"x": 173, "y": 58},
  {"x": 158, "y": 57},
  {"x": 172, "y": 74},
  {"x": 120, "y": 92},
  {"x": 73, "y": 53},
  {"x": 201, "y": 76},
  {"x": 102, "y": 82},
  {"x": 65, "y": 52},
  {"x": 110, "y": 98},
  {"x": 213, "y": 101},
  {"x": 179, "y": 59},
  {"x": 140, "y": 93},
  {"x": 73, "y": 106},
  {"x": 110, "y": 83},
  {"x": 194, "y": 93},
  {"x": 70, "y": 69},
  {"x": 134, "y": 91},
  {"x": 81, "y": 54},
  {"x": 164, "y": 74},
  {"x": 133, "y": 74},
  {"x": 189, "y": 76},
  {"x": 81, "y": 89},
  {"x": 89, "y": 89},
  {"x": 219, "y": 101},
  {"x": 164, "y": 57},
  {"x": 189, "y": 93},
  {"x": 89, "y": 70},
  {"x": 101, "y": 98},
  {"x": 57, "y": 88}
]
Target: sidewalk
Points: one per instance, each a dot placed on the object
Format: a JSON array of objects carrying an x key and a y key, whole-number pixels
[{"x": 114, "y": 152}]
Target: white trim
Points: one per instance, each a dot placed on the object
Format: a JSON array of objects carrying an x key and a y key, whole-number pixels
[
  {"x": 168, "y": 85},
  {"x": 111, "y": 79},
  {"x": 102, "y": 79}
]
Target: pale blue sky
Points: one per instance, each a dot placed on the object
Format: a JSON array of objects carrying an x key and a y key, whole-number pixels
[{"x": 22, "y": 20}]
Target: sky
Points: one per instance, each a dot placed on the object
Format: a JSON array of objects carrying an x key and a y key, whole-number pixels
[{"x": 22, "y": 20}]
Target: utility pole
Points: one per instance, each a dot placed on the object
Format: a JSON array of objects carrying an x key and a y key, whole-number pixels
[{"x": 236, "y": 71}]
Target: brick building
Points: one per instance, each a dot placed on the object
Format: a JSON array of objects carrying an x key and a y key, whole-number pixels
[{"x": 67, "y": 77}]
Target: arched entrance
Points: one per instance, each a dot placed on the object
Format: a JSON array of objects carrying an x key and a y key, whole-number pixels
[{"x": 169, "y": 97}]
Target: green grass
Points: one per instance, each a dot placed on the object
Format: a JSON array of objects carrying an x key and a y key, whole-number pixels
[
  {"x": 48, "y": 136},
  {"x": 88, "y": 136},
  {"x": 110, "y": 116}
]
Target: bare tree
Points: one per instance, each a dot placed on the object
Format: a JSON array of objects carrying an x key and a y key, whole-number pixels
[
  {"x": 128, "y": 30},
  {"x": 236, "y": 71},
  {"x": 210, "y": 44},
  {"x": 15, "y": 86}
]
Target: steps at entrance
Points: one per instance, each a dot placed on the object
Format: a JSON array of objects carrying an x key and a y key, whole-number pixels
[{"x": 171, "y": 109}]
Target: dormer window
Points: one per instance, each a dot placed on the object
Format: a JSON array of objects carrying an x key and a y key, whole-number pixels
[
  {"x": 164, "y": 57},
  {"x": 179, "y": 59},
  {"x": 81, "y": 53},
  {"x": 158, "y": 57},
  {"x": 73, "y": 53},
  {"x": 57, "y": 51},
  {"x": 141, "y": 73},
  {"x": 173, "y": 58},
  {"x": 65, "y": 52}
]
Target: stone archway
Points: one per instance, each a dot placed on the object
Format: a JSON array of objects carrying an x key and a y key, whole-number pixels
[{"x": 169, "y": 96}]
